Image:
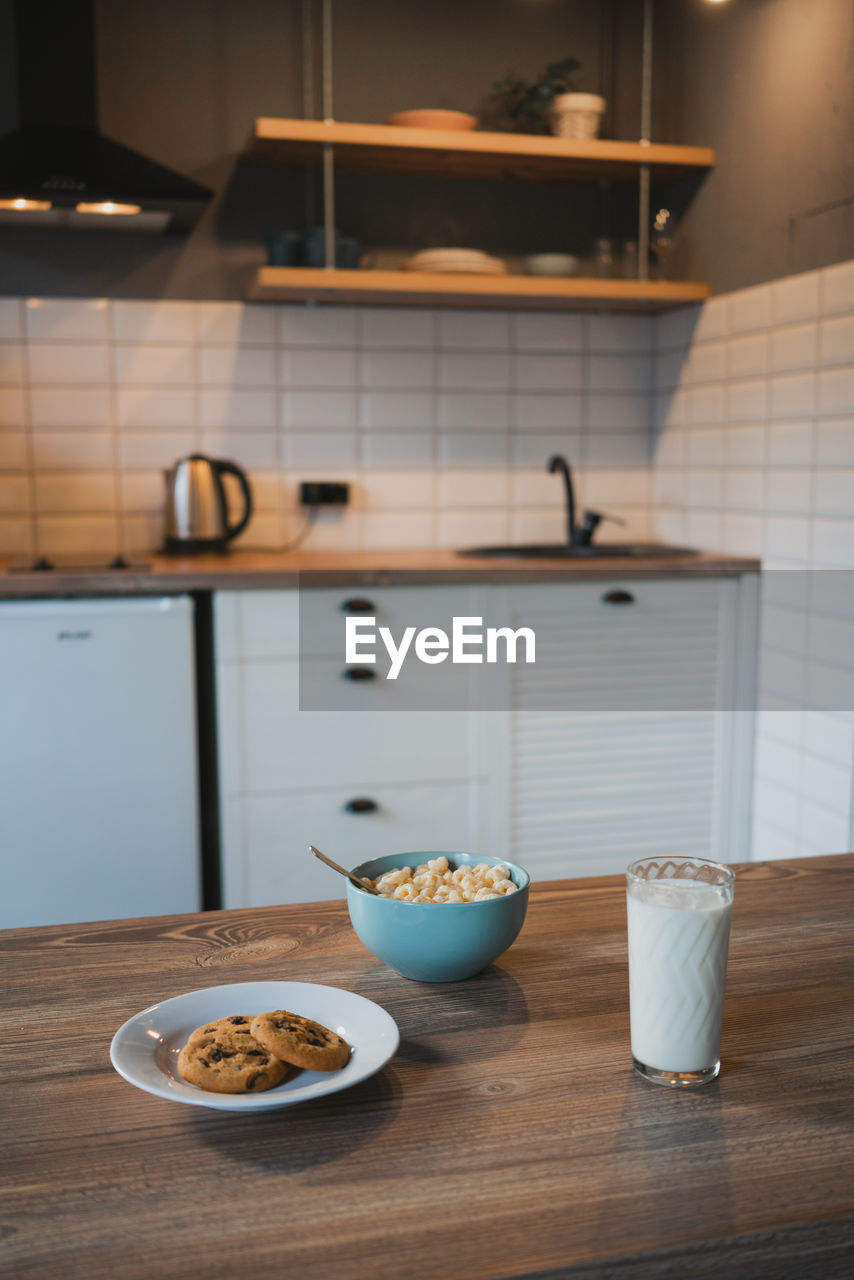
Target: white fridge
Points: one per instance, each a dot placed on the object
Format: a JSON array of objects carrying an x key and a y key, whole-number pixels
[{"x": 98, "y": 760}]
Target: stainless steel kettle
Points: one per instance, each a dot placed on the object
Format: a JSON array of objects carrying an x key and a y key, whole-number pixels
[{"x": 196, "y": 505}]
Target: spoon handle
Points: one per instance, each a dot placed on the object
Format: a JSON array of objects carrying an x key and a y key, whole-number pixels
[{"x": 360, "y": 884}]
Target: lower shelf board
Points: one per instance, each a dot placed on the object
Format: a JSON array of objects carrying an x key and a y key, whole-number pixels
[{"x": 420, "y": 289}]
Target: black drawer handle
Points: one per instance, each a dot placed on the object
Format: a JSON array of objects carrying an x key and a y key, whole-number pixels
[
  {"x": 618, "y": 597},
  {"x": 361, "y": 804},
  {"x": 359, "y": 673},
  {"x": 357, "y": 605}
]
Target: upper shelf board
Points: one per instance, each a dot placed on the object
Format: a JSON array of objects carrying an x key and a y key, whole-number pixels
[
  {"x": 410, "y": 289},
  {"x": 446, "y": 153}
]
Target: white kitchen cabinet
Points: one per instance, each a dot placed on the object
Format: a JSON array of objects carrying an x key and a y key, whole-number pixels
[
  {"x": 632, "y": 733},
  {"x": 288, "y": 775},
  {"x": 620, "y": 740}
]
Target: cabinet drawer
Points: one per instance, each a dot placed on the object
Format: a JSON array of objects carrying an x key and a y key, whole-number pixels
[
  {"x": 269, "y": 622},
  {"x": 284, "y": 747},
  {"x": 266, "y": 857}
]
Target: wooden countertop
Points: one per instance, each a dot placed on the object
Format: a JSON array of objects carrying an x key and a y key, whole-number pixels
[
  {"x": 507, "y": 1138},
  {"x": 259, "y": 569}
]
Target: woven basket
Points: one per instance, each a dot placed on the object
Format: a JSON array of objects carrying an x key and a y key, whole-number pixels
[{"x": 577, "y": 115}]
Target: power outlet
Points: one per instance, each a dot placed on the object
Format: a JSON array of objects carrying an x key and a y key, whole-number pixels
[{"x": 320, "y": 493}]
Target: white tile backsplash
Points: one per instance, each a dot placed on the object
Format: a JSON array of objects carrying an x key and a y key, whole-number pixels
[
  {"x": 472, "y": 411},
  {"x": 561, "y": 373},
  {"x": 238, "y": 407},
  {"x": 319, "y": 410},
  {"x": 546, "y": 331},
  {"x": 749, "y": 309},
  {"x": 390, "y": 327},
  {"x": 404, "y": 449},
  {"x": 72, "y": 451},
  {"x": 796, "y": 298},
  {"x": 157, "y": 322},
  {"x": 836, "y": 391},
  {"x": 774, "y": 478},
  {"x": 11, "y": 319},
  {"x": 236, "y": 324},
  {"x": 226, "y": 366},
  {"x": 467, "y": 330},
  {"x": 837, "y": 288},
  {"x": 320, "y": 369},
  {"x": 475, "y": 371},
  {"x": 385, "y": 370},
  {"x": 126, "y": 387},
  {"x": 629, "y": 373},
  {"x": 794, "y": 347},
  {"x": 68, "y": 363},
  {"x": 155, "y": 407},
  {"x": 153, "y": 365},
  {"x": 75, "y": 320},
  {"x": 792, "y": 395},
  {"x": 86, "y": 407}
]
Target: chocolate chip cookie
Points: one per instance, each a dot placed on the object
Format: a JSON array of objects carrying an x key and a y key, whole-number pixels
[
  {"x": 300, "y": 1041},
  {"x": 236, "y": 1023},
  {"x": 223, "y": 1057}
]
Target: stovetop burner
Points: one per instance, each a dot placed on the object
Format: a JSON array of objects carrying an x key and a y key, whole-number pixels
[{"x": 76, "y": 564}]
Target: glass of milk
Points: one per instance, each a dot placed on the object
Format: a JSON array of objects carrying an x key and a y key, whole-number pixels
[{"x": 679, "y": 915}]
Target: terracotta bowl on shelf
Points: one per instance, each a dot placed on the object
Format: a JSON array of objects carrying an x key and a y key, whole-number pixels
[{"x": 429, "y": 118}]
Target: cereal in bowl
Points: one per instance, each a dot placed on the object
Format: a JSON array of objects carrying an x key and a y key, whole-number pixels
[{"x": 437, "y": 881}]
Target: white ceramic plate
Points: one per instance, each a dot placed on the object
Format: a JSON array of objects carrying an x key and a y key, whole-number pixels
[{"x": 145, "y": 1049}]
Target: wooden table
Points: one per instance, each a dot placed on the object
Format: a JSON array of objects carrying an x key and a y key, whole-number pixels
[{"x": 509, "y": 1136}]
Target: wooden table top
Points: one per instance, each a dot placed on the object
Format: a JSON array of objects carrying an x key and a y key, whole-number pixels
[
  {"x": 508, "y": 1137},
  {"x": 254, "y": 570}
]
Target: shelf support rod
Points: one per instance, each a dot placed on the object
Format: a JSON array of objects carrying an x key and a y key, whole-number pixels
[
  {"x": 646, "y": 129},
  {"x": 307, "y": 60},
  {"x": 328, "y": 154}
]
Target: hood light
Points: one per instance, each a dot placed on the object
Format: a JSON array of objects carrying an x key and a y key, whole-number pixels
[
  {"x": 108, "y": 207},
  {"x": 26, "y": 206}
]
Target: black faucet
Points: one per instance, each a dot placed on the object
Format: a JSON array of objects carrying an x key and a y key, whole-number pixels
[{"x": 580, "y": 535}]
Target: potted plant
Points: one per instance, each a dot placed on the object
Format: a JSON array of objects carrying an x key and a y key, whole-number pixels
[{"x": 550, "y": 103}]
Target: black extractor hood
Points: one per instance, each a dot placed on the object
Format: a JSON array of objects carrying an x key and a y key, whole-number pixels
[{"x": 56, "y": 168}]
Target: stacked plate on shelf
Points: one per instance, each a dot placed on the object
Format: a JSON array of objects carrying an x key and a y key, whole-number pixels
[{"x": 464, "y": 261}]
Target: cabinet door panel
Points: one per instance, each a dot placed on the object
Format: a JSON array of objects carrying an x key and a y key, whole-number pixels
[
  {"x": 276, "y": 866},
  {"x": 616, "y": 742},
  {"x": 286, "y": 747}
]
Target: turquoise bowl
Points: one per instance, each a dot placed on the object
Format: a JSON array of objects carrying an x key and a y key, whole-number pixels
[{"x": 437, "y": 941}]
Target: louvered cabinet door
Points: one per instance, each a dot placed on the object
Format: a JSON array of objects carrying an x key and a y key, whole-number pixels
[{"x": 621, "y": 743}]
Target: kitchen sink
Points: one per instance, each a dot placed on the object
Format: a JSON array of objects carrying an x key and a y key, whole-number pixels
[{"x": 568, "y": 551}]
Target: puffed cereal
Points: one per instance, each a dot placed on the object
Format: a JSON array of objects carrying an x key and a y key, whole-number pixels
[{"x": 435, "y": 881}]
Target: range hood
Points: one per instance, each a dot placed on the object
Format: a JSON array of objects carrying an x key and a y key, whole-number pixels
[{"x": 56, "y": 168}]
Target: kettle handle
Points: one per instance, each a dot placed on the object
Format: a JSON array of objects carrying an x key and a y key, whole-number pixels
[{"x": 232, "y": 469}]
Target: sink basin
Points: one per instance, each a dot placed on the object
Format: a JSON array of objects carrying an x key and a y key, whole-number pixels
[{"x": 565, "y": 551}]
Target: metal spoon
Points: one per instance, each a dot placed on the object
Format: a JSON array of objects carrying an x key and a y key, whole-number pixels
[{"x": 359, "y": 881}]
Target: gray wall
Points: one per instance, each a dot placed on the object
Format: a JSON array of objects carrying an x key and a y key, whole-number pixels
[
  {"x": 769, "y": 84},
  {"x": 182, "y": 80}
]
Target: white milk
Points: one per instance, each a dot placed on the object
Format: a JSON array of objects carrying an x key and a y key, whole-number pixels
[{"x": 678, "y": 939}]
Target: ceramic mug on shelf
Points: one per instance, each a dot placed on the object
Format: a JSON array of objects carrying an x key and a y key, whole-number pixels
[
  {"x": 308, "y": 249},
  {"x": 348, "y": 250}
]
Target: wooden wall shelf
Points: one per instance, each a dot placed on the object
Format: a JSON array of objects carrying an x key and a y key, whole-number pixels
[
  {"x": 417, "y": 289},
  {"x": 446, "y": 153}
]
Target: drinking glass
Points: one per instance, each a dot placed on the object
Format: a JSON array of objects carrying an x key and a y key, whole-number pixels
[{"x": 679, "y": 923}]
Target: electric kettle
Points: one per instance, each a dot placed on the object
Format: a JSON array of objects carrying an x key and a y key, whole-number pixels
[{"x": 196, "y": 505}]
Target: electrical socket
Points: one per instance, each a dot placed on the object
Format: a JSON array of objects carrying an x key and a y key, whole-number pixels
[{"x": 323, "y": 493}]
